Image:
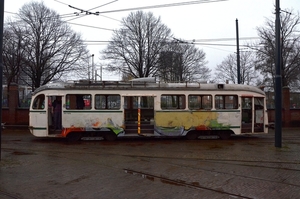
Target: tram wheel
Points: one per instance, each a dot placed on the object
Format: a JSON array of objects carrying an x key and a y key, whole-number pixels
[
  {"x": 192, "y": 135},
  {"x": 110, "y": 136},
  {"x": 73, "y": 137},
  {"x": 224, "y": 135}
]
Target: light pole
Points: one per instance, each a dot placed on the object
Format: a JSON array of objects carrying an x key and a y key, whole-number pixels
[
  {"x": 101, "y": 73},
  {"x": 1, "y": 64},
  {"x": 238, "y": 53},
  {"x": 93, "y": 67},
  {"x": 278, "y": 81}
]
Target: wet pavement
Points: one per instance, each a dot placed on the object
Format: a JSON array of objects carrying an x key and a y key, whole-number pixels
[{"x": 242, "y": 167}]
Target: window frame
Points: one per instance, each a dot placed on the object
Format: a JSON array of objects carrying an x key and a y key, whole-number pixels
[
  {"x": 72, "y": 101},
  {"x": 107, "y": 102},
  {"x": 39, "y": 102},
  {"x": 226, "y": 102},
  {"x": 201, "y": 104},
  {"x": 177, "y": 99}
]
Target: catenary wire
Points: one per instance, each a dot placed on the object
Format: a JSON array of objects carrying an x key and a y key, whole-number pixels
[{"x": 163, "y": 6}]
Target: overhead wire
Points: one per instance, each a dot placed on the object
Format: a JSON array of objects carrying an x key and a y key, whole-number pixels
[
  {"x": 83, "y": 25},
  {"x": 90, "y": 26},
  {"x": 219, "y": 49},
  {"x": 128, "y": 9},
  {"x": 163, "y": 6},
  {"x": 103, "y": 5},
  {"x": 215, "y": 44},
  {"x": 196, "y": 42},
  {"x": 225, "y": 39},
  {"x": 88, "y": 11},
  {"x": 203, "y": 44},
  {"x": 137, "y": 8},
  {"x": 11, "y": 12},
  {"x": 80, "y": 15}
]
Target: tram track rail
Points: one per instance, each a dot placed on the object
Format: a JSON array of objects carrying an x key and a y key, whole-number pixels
[
  {"x": 240, "y": 162},
  {"x": 170, "y": 181}
]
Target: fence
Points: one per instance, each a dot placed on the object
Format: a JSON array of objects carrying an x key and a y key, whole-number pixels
[
  {"x": 294, "y": 100},
  {"x": 24, "y": 96}
]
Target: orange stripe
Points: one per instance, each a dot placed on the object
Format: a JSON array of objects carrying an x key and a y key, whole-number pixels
[{"x": 139, "y": 120}]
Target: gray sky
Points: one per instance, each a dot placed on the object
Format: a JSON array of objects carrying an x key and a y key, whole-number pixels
[{"x": 207, "y": 20}]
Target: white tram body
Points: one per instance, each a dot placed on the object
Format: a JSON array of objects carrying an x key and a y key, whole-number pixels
[{"x": 139, "y": 108}]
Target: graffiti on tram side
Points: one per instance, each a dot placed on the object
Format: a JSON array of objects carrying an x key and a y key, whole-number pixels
[
  {"x": 167, "y": 123},
  {"x": 200, "y": 120},
  {"x": 92, "y": 124}
]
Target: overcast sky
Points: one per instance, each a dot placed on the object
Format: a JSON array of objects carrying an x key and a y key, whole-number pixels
[{"x": 212, "y": 20}]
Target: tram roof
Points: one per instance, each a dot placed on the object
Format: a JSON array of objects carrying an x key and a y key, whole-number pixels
[{"x": 144, "y": 85}]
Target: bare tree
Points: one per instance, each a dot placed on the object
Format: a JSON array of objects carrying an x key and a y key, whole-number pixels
[
  {"x": 12, "y": 54},
  {"x": 50, "y": 49},
  {"x": 182, "y": 61},
  {"x": 290, "y": 50},
  {"x": 227, "y": 70},
  {"x": 135, "y": 48}
]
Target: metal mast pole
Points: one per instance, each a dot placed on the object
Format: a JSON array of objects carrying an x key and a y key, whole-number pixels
[
  {"x": 1, "y": 64},
  {"x": 278, "y": 81},
  {"x": 238, "y": 53},
  {"x": 93, "y": 69}
]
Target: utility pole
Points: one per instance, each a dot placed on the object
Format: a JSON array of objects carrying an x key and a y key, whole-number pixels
[
  {"x": 278, "y": 80},
  {"x": 1, "y": 65},
  {"x": 238, "y": 53},
  {"x": 93, "y": 70},
  {"x": 101, "y": 73}
]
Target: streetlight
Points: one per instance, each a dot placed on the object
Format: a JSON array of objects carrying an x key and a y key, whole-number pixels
[
  {"x": 89, "y": 68},
  {"x": 1, "y": 63},
  {"x": 238, "y": 53},
  {"x": 93, "y": 67}
]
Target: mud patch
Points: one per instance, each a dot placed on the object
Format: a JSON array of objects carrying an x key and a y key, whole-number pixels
[
  {"x": 8, "y": 163},
  {"x": 21, "y": 153},
  {"x": 80, "y": 178}
]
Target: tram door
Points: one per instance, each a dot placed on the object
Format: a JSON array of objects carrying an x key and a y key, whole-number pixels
[
  {"x": 54, "y": 114},
  {"x": 252, "y": 114},
  {"x": 38, "y": 116},
  {"x": 139, "y": 114}
]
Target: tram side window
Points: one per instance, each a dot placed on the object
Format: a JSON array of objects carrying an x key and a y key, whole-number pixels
[
  {"x": 39, "y": 102},
  {"x": 147, "y": 102},
  {"x": 172, "y": 102},
  {"x": 78, "y": 101},
  {"x": 226, "y": 101},
  {"x": 200, "y": 102},
  {"x": 107, "y": 101},
  {"x": 259, "y": 103}
]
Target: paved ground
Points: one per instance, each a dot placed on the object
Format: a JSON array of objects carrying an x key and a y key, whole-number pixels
[{"x": 242, "y": 167}]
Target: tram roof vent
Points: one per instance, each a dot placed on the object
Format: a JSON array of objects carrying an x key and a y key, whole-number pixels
[
  {"x": 144, "y": 79},
  {"x": 220, "y": 86}
]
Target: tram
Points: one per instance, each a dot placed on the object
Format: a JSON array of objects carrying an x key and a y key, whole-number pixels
[{"x": 113, "y": 109}]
